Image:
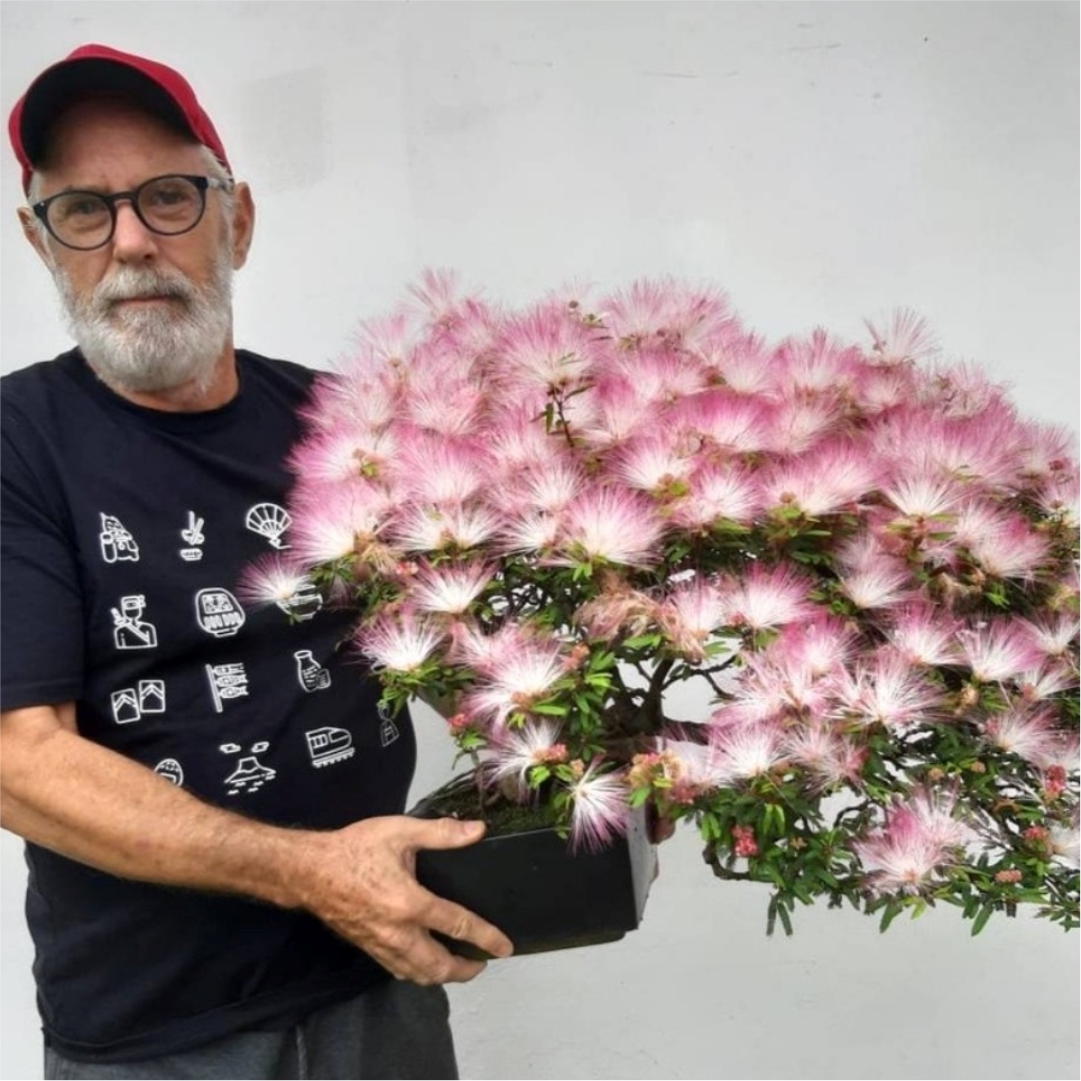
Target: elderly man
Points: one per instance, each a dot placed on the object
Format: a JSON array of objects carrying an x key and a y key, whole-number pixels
[{"x": 221, "y": 877}]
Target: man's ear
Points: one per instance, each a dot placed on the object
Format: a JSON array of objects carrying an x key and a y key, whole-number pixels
[
  {"x": 36, "y": 235},
  {"x": 243, "y": 224}
]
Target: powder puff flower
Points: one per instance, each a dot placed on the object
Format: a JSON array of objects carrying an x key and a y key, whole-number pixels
[
  {"x": 1055, "y": 634},
  {"x": 449, "y": 588},
  {"x": 545, "y": 350},
  {"x": 1009, "y": 549},
  {"x": 341, "y": 453},
  {"x": 871, "y": 578},
  {"x": 822, "y": 481},
  {"x": 1065, "y": 844},
  {"x": 999, "y": 650},
  {"x": 333, "y": 523},
  {"x": 653, "y": 464},
  {"x": 690, "y": 615},
  {"x": 747, "y": 750},
  {"x": 438, "y": 471},
  {"x": 923, "y": 635},
  {"x": 890, "y": 692},
  {"x": 901, "y": 337},
  {"x": 527, "y": 670},
  {"x": 766, "y": 598},
  {"x": 427, "y": 528},
  {"x": 1029, "y": 734},
  {"x": 716, "y": 495},
  {"x": 279, "y": 580},
  {"x": 817, "y": 364},
  {"x": 924, "y": 496},
  {"x": 798, "y": 424},
  {"x": 725, "y": 421},
  {"x": 919, "y": 841},
  {"x": 1061, "y": 499},
  {"x": 829, "y": 759},
  {"x": 609, "y": 525},
  {"x": 399, "y": 642},
  {"x": 600, "y": 809},
  {"x": 514, "y": 750}
]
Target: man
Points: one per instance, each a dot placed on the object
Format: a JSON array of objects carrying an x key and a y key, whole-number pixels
[{"x": 221, "y": 877}]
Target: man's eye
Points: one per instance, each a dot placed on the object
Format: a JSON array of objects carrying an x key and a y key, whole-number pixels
[{"x": 81, "y": 208}]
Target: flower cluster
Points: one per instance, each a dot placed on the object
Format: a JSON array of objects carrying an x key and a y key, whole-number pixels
[{"x": 819, "y": 598}]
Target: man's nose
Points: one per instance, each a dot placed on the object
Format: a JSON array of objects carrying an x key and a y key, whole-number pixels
[{"x": 132, "y": 240}]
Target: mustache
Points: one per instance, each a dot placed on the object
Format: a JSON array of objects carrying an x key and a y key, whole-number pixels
[{"x": 131, "y": 283}]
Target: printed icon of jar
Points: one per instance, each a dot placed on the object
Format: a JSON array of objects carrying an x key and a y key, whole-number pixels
[{"x": 312, "y": 675}]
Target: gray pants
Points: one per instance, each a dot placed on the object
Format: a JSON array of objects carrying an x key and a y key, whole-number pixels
[{"x": 398, "y": 1030}]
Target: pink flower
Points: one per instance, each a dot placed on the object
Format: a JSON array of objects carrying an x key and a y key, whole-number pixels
[
  {"x": 610, "y": 526},
  {"x": 822, "y": 481},
  {"x": 888, "y": 691},
  {"x": 277, "y": 579},
  {"x": 829, "y": 759},
  {"x": 717, "y": 495},
  {"x": 422, "y": 528},
  {"x": 527, "y": 670},
  {"x": 747, "y": 750},
  {"x": 333, "y": 522},
  {"x": 399, "y": 642},
  {"x": 923, "y": 635},
  {"x": 514, "y": 750},
  {"x": 870, "y": 577},
  {"x": 768, "y": 597},
  {"x": 725, "y": 421},
  {"x": 1009, "y": 549},
  {"x": 1029, "y": 734},
  {"x": 902, "y": 338},
  {"x": 600, "y": 809},
  {"x": 999, "y": 650},
  {"x": 449, "y": 588},
  {"x": 920, "y": 840},
  {"x": 690, "y": 615},
  {"x": 545, "y": 350}
]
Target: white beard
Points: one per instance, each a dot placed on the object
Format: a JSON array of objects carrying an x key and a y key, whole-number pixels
[{"x": 152, "y": 350}]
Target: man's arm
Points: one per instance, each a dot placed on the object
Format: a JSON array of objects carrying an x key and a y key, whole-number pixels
[{"x": 93, "y": 805}]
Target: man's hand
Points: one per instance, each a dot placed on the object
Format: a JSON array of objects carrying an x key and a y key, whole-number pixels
[
  {"x": 361, "y": 882},
  {"x": 93, "y": 805}
]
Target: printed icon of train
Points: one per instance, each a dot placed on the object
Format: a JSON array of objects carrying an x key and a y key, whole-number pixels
[{"x": 327, "y": 745}]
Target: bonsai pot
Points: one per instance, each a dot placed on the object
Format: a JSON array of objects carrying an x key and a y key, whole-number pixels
[{"x": 540, "y": 894}]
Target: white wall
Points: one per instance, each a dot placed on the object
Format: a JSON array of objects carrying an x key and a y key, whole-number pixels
[{"x": 823, "y": 162}]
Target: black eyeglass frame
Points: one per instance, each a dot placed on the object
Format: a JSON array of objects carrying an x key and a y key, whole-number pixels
[{"x": 201, "y": 183}]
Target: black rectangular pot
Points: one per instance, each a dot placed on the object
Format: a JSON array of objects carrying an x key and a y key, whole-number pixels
[{"x": 541, "y": 895}]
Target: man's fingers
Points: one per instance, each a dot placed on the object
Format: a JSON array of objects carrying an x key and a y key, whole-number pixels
[
  {"x": 443, "y": 832},
  {"x": 456, "y": 922}
]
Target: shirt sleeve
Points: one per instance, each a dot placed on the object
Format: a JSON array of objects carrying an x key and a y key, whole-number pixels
[{"x": 41, "y": 606}]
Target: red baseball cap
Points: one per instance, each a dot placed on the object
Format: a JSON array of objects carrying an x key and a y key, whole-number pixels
[{"x": 97, "y": 69}]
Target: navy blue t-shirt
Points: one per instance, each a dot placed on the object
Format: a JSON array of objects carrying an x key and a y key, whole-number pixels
[{"x": 125, "y": 533}]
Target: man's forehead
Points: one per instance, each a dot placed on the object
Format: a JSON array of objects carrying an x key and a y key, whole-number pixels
[{"x": 96, "y": 124}]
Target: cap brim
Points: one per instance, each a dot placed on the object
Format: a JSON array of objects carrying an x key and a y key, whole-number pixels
[{"x": 72, "y": 81}]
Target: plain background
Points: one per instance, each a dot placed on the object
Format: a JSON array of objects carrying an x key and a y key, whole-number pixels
[{"x": 823, "y": 162}]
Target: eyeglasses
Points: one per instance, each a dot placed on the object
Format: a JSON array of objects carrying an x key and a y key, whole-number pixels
[{"x": 167, "y": 205}]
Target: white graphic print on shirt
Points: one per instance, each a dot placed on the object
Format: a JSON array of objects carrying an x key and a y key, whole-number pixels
[
  {"x": 193, "y": 538},
  {"x": 270, "y": 521},
  {"x": 227, "y": 681},
  {"x": 133, "y": 703},
  {"x": 130, "y": 630},
  {"x": 311, "y": 674},
  {"x": 117, "y": 543},
  {"x": 388, "y": 730},
  {"x": 250, "y": 774},
  {"x": 219, "y": 613},
  {"x": 328, "y": 744},
  {"x": 171, "y": 770}
]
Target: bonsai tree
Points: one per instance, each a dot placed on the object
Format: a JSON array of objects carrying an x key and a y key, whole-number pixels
[{"x": 819, "y": 599}]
